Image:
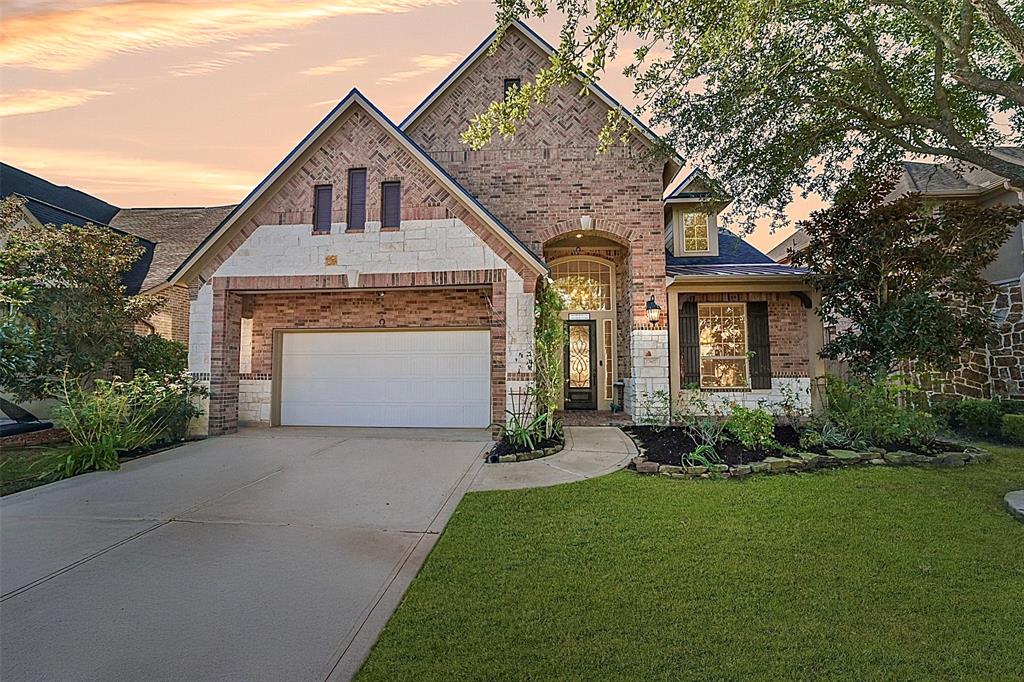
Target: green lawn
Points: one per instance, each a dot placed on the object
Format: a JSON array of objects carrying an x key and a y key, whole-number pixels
[
  {"x": 865, "y": 574},
  {"x": 20, "y": 467}
]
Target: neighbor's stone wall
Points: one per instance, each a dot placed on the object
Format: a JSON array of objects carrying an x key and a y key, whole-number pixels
[{"x": 993, "y": 372}]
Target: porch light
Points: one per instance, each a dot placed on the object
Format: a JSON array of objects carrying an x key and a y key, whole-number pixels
[{"x": 653, "y": 310}]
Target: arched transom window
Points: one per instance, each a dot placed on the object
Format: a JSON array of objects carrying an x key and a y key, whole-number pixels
[{"x": 586, "y": 283}]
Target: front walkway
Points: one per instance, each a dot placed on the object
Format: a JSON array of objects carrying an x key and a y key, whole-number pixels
[{"x": 590, "y": 451}]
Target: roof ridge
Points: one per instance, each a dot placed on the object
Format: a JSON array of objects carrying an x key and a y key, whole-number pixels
[{"x": 87, "y": 219}]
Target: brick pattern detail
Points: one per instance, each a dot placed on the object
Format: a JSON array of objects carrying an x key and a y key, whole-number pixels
[
  {"x": 551, "y": 174},
  {"x": 171, "y": 320},
  {"x": 358, "y": 141},
  {"x": 224, "y": 349},
  {"x": 787, "y": 329}
]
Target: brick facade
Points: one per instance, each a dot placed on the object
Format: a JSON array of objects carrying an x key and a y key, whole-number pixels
[
  {"x": 171, "y": 320},
  {"x": 551, "y": 175}
]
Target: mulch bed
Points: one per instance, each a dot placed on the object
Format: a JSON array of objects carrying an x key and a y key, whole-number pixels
[
  {"x": 670, "y": 444},
  {"x": 503, "y": 448}
]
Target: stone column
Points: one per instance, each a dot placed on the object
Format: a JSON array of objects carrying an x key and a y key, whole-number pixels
[{"x": 649, "y": 373}]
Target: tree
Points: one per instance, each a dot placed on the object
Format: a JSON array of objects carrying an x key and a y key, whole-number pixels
[
  {"x": 774, "y": 94},
  {"x": 69, "y": 310},
  {"x": 903, "y": 276}
]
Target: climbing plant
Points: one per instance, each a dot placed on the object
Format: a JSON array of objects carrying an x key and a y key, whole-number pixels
[{"x": 549, "y": 343}]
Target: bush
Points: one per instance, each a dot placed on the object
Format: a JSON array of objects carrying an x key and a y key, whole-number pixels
[
  {"x": 1013, "y": 428},
  {"x": 157, "y": 356},
  {"x": 1011, "y": 406},
  {"x": 872, "y": 413},
  {"x": 118, "y": 415},
  {"x": 979, "y": 418},
  {"x": 754, "y": 429}
]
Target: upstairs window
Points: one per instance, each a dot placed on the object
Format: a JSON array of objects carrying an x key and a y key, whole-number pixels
[
  {"x": 511, "y": 85},
  {"x": 696, "y": 232},
  {"x": 390, "y": 204},
  {"x": 356, "y": 218},
  {"x": 322, "y": 208}
]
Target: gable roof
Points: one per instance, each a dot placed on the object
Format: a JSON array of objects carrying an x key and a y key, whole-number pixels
[
  {"x": 549, "y": 50},
  {"x": 356, "y": 98},
  {"x": 696, "y": 185}
]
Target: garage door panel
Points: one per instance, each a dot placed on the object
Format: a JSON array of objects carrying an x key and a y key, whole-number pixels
[{"x": 414, "y": 378}]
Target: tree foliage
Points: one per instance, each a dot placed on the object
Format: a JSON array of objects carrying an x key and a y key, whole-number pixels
[
  {"x": 901, "y": 279},
  {"x": 772, "y": 94},
  {"x": 70, "y": 311}
]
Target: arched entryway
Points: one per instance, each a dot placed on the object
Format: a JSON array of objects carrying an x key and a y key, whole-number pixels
[{"x": 589, "y": 285}]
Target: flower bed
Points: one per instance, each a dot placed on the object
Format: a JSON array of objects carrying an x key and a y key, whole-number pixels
[
  {"x": 665, "y": 451},
  {"x": 504, "y": 451}
]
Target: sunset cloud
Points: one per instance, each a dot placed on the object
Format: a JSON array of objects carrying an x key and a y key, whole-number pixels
[
  {"x": 340, "y": 66},
  {"x": 422, "y": 64},
  {"x": 33, "y": 101},
  {"x": 102, "y": 171},
  {"x": 61, "y": 38},
  {"x": 227, "y": 59}
]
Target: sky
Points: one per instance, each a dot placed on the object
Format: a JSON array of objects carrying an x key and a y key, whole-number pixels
[{"x": 192, "y": 102}]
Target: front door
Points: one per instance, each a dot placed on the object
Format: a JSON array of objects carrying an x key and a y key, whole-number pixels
[{"x": 581, "y": 365}]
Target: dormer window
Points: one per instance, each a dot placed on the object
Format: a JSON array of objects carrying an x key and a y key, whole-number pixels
[{"x": 696, "y": 232}]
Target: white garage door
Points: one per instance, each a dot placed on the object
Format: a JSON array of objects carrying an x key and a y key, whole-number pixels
[{"x": 392, "y": 378}]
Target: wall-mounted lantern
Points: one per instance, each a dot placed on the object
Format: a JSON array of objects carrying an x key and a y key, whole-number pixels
[{"x": 653, "y": 310}]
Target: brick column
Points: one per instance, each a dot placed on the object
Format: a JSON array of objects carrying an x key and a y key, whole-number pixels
[
  {"x": 224, "y": 350},
  {"x": 499, "y": 334}
]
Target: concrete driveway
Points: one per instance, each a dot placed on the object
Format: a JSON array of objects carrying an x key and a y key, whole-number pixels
[{"x": 267, "y": 555}]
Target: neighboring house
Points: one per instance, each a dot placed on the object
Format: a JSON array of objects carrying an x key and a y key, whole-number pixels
[
  {"x": 996, "y": 371},
  {"x": 166, "y": 235},
  {"x": 384, "y": 275}
]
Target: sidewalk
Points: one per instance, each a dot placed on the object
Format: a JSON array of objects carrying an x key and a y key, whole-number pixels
[{"x": 590, "y": 451}]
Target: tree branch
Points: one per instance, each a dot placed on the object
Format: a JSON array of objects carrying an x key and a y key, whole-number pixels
[{"x": 1002, "y": 25}]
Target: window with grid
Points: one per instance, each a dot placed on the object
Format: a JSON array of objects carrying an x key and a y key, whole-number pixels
[
  {"x": 724, "y": 362},
  {"x": 696, "y": 232},
  {"x": 608, "y": 388},
  {"x": 585, "y": 284}
]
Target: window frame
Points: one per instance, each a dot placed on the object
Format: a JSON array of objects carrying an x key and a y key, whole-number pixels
[
  {"x": 701, "y": 357},
  {"x": 517, "y": 83},
  {"x": 590, "y": 259},
  {"x": 348, "y": 201},
  {"x": 707, "y": 231},
  {"x": 383, "y": 209},
  {"x": 317, "y": 191}
]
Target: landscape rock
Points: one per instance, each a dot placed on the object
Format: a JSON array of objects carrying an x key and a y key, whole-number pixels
[
  {"x": 719, "y": 468},
  {"x": 795, "y": 463},
  {"x": 638, "y": 459},
  {"x": 506, "y": 458},
  {"x": 877, "y": 461},
  {"x": 695, "y": 470},
  {"x": 979, "y": 457},
  {"x": 950, "y": 459},
  {"x": 760, "y": 467},
  {"x": 740, "y": 470},
  {"x": 844, "y": 456},
  {"x": 810, "y": 459},
  {"x": 900, "y": 457},
  {"x": 777, "y": 463},
  {"x": 647, "y": 468},
  {"x": 670, "y": 469}
]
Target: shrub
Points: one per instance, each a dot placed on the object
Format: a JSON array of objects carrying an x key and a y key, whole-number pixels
[
  {"x": 872, "y": 413},
  {"x": 704, "y": 421},
  {"x": 979, "y": 418},
  {"x": 118, "y": 415},
  {"x": 1011, "y": 406},
  {"x": 157, "y": 356},
  {"x": 823, "y": 434},
  {"x": 754, "y": 429},
  {"x": 654, "y": 409},
  {"x": 1013, "y": 428}
]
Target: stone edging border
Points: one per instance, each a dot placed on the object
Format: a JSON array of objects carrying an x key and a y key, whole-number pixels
[
  {"x": 806, "y": 461},
  {"x": 532, "y": 454}
]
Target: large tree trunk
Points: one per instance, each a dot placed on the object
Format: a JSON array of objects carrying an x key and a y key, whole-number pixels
[{"x": 996, "y": 17}]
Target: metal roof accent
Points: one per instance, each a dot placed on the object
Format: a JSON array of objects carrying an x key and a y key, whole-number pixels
[{"x": 736, "y": 270}]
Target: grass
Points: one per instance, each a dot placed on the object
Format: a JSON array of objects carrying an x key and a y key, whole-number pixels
[
  {"x": 867, "y": 574},
  {"x": 20, "y": 467}
]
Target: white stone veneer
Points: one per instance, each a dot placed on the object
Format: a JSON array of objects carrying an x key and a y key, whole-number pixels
[
  {"x": 649, "y": 351},
  {"x": 797, "y": 389},
  {"x": 419, "y": 246}
]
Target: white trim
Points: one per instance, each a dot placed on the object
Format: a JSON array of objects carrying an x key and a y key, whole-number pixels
[{"x": 313, "y": 139}]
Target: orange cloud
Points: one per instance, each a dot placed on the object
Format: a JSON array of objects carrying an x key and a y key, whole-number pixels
[
  {"x": 340, "y": 66},
  {"x": 422, "y": 64},
  {"x": 57, "y": 38},
  {"x": 33, "y": 101},
  {"x": 102, "y": 171},
  {"x": 232, "y": 57}
]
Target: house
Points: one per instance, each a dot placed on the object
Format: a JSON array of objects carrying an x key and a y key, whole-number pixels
[
  {"x": 998, "y": 370},
  {"x": 166, "y": 236},
  {"x": 384, "y": 275}
]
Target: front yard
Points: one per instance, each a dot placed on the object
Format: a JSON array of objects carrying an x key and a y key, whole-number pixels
[{"x": 873, "y": 573}]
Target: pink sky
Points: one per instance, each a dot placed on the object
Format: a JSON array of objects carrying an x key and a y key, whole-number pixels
[{"x": 148, "y": 103}]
